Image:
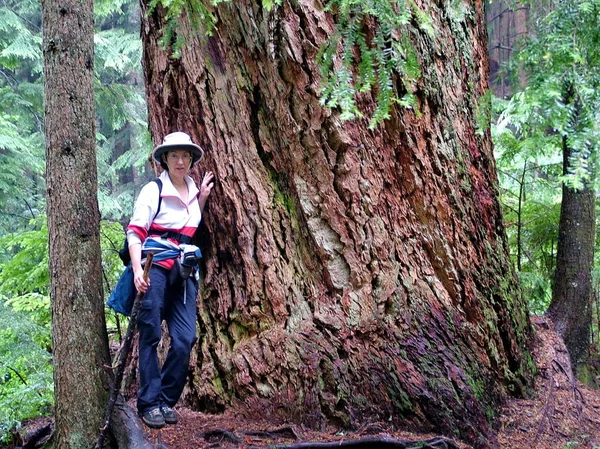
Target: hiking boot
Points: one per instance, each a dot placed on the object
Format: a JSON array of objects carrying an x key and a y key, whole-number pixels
[
  {"x": 168, "y": 414},
  {"x": 154, "y": 418}
]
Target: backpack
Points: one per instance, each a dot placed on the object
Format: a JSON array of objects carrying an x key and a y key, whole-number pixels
[
  {"x": 123, "y": 295},
  {"x": 124, "y": 251}
]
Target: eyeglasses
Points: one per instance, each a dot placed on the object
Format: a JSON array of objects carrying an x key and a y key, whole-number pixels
[{"x": 175, "y": 157}]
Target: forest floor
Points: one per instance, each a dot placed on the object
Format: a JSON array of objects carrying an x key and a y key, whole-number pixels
[{"x": 561, "y": 413}]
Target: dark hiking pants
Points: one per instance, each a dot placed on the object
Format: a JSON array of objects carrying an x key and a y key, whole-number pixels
[{"x": 164, "y": 299}]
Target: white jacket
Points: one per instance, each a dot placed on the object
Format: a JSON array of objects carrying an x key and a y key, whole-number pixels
[{"x": 175, "y": 215}]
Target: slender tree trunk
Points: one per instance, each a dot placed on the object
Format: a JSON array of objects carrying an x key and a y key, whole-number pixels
[
  {"x": 350, "y": 274},
  {"x": 571, "y": 306},
  {"x": 520, "y": 216},
  {"x": 507, "y": 22},
  {"x": 80, "y": 346}
]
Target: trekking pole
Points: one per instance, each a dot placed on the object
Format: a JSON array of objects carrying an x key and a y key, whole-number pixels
[{"x": 123, "y": 355}]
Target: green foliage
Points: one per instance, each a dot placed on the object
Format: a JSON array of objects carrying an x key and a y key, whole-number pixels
[
  {"x": 19, "y": 35},
  {"x": 21, "y": 132},
  {"x": 369, "y": 64},
  {"x": 531, "y": 197},
  {"x": 116, "y": 52},
  {"x": 25, "y": 342},
  {"x": 558, "y": 106},
  {"x": 106, "y": 8},
  {"x": 25, "y": 259},
  {"x": 122, "y": 136},
  {"x": 21, "y": 167},
  {"x": 562, "y": 97},
  {"x": 26, "y": 388},
  {"x": 25, "y": 358},
  {"x": 116, "y": 195}
]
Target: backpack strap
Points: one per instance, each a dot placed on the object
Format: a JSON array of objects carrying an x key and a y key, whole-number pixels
[{"x": 159, "y": 183}]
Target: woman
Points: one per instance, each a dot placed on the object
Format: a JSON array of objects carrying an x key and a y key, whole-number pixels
[{"x": 168, "y": 295}]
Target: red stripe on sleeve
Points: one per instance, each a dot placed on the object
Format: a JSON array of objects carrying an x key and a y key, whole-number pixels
[{"x": 141, "y": 232}]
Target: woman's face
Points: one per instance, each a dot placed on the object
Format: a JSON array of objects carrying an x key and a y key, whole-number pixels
[{"x": 178, "y": 162}]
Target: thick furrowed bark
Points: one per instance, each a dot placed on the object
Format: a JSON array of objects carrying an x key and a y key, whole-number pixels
[{"x": 351, "y": 274}]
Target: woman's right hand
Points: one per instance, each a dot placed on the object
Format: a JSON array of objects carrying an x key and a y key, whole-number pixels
[
  {"x": 141, "y": 284},
  {"x": 135, "y": 252}
]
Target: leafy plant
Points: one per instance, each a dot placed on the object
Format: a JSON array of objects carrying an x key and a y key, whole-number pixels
[
  {"x": 25, "y": 256},
  {"x": 532, "y": 229},
  {"x": 377, "y": 59},
  {"x": 21, "y": 132},
  {"x": 26, "y": 388},
  {"x": 122, "y": 136},
  {"x": 561, "y": 98},
  {"x": 530, "y": 196}
]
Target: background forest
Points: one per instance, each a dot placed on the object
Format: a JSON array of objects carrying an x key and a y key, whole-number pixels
[{"x": 533, "y": 120}]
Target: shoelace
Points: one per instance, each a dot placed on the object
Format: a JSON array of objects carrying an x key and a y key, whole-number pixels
[{"x": 155, "y": 412}]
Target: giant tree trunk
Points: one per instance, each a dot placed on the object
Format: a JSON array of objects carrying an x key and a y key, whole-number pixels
[
  {"x": 350, "y": 274},
  {"x": 571, "y": 306},
  {"x": 79, "y": 342}
]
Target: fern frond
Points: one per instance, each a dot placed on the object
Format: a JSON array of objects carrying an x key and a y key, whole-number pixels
[
  {"x": 24, "y": 46},
  {"x": 371, "y": 65}
]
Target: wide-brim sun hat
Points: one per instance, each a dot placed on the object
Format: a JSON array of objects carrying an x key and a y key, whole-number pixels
[{"x": 177, "y": 141}]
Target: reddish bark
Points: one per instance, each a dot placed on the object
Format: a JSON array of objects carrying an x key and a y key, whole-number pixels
[{"x": 349, "y": 273}]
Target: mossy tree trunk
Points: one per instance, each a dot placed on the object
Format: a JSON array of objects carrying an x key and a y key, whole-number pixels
[
  {"x": 571, "y": 306},
  {"x": 79, "y": 341},
  {"x": 350, "y": 274}
]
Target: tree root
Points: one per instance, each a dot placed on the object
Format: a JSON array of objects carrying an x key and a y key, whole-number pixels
[
  {"x": 367, "y": 443},
  {"x": 126, "y": 427},
  {"x": 222, "y": 436},
  {"x": 549, "y": 406},
  {"x": 284, "y": 432}
]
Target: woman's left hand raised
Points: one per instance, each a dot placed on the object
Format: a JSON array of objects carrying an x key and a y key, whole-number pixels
[{"x": 206, "y": 187}]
